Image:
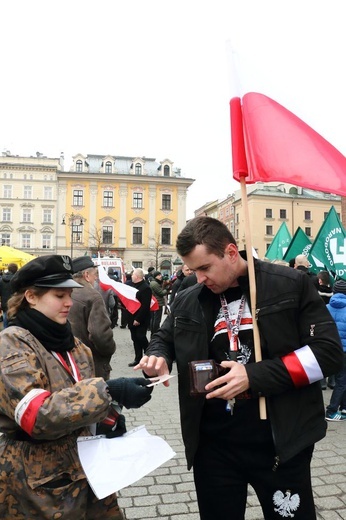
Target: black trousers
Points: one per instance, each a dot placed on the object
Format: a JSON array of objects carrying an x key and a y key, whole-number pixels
[
  {"x": 222, "y": 473},
  {"x": 140, "y": 340},
  {"x": 156, "y": 320}
]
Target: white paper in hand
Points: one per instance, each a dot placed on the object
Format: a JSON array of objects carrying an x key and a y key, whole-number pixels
[{"x": 112, "y": 464}]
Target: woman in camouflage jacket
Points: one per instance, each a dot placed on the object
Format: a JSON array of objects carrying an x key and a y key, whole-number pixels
[{"x": 48, "y": 398}]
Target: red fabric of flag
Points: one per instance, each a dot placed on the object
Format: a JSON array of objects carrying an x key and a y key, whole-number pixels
[{"x": 281, "y": 147}]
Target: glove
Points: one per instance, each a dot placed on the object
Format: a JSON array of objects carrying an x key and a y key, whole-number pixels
[
  {"x": 131, "y": 392},
  {"x": 111, "y": 432}
]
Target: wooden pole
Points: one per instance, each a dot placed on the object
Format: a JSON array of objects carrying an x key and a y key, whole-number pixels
[{"x": 252, "y": 282}]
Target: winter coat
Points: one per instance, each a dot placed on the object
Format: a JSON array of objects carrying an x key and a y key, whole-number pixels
[
  {"x": 290, "y": 315},
  {"x": 337, "y": 308},
  {"x": 5, "y": 290},
  {"x": 143, "y": 295},
  {"x": 91, "y": 324},
  {"x": 158, "y": 291},
  {"x": 40, "y": 473}
]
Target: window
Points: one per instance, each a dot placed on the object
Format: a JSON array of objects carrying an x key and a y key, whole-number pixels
[
  {"x": 166, "y": 202},
  {"x": 77, "y": 197},
  {"x": 108, "y": 199},
  {"x": 269, "y": 213},
  {"x": 307, "y": 215},
  {"x": 108, "y": 167},
  {"x": 308, "y": 231},
  {"x": 237, "y": 218},
  {"x": 6, "y": 214},
  {"x": 166, "y": 171},
  {"x": 5, "y": 239},
  {"x": 138, "y": 169},
  {"x": 27, "y": 192},
  {"x": 26, "y": 240},
  {"x": 137, "y": 235},
  {"x": 46, "y": 241},
  {"x": 138, "y": 200},
  {"x": 27, "y": 215},
  {"x": 47, "y": 216},
  {"x": 77, "y": 230},
  {"x": 137, "y": 265},
  {"x": 79, "y": 166},
  {"x": 48, "y": 192},
  {"x": 269, "y": 230},
  {"x": 283, "y": 213},
  {"x": 166, "y": 236},
  {"x": 7, "y": 191},
  {"x": 107, "y": 234}
]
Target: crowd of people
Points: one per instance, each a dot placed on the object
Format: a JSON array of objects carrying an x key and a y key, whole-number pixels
[{"x": 55, "y": 375}]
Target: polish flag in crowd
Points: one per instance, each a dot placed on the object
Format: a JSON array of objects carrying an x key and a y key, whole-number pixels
[{"x": 125, "y": 293}]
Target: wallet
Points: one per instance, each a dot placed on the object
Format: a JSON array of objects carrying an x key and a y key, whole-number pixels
[{"x": 202, "y": 372}]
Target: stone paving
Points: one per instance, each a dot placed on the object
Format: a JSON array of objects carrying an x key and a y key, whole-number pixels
[{"x": 168, "y": 492}]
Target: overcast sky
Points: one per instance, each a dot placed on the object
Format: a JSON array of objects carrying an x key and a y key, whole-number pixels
[{"x": 154, "y": 78}]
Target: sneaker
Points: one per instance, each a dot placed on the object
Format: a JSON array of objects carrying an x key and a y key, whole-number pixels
[
  {"x": 336, "y": 417},
  {"x": 343, "y": 411}
]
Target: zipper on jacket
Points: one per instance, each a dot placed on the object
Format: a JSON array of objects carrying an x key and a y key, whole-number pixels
[
  {"x": 276, "y": 463},
  {"x": 188, "y": 320},
  {"x": 282, "y": 302}
]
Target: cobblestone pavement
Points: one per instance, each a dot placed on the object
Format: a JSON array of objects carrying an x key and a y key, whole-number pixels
[{"x": 168, "y": 492}]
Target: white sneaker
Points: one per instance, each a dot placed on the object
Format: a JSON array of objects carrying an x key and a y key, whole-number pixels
[{"x": 343, "y": 411}]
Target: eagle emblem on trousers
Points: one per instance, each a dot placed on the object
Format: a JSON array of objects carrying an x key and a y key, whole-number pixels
[{"x": 286, "y": 504}]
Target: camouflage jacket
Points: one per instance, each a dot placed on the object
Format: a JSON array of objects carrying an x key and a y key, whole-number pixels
[{"x": 40, "y": 465}]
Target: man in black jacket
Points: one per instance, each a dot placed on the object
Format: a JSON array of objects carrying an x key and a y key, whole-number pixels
[
  {"x": 138, "y": 323},
  {"x": 226, "y": 441}
]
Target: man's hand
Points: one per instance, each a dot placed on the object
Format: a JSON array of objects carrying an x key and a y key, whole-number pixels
[
  {"x": 153, "y": 366},
  {"x": 234, "y": 382},
  {"x": 136, "y": 323}
]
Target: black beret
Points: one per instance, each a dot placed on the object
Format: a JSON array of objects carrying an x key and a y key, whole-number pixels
[
  {"x": 155, "y": 274},
  {"x": 81, "y": 263},
  {"x": 45, "y": 271}
]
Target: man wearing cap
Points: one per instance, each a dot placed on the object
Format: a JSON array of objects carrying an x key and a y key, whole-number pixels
[
  {"x": 159, "y": 293},
  {"x": 89, "y": 318}
]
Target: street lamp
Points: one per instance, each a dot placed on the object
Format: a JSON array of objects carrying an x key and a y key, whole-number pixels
[{"x": 75, "y": 222}]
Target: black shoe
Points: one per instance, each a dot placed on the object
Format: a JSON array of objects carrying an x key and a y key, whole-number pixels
[
  {"x": 133, "y": 364},
  {"x": 331, "y": 386},
  {"x": 324, "y": 387},
  {"x": 123, "y": 326}
]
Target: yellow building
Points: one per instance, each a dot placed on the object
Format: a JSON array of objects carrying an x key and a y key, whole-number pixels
[{"x": 132, "y": 207}]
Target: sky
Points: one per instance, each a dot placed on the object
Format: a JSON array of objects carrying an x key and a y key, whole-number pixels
[{"x": 154, "y": 78}]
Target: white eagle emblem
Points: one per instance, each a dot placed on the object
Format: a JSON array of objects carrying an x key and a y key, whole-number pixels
[{"x": 286, "y": 504}]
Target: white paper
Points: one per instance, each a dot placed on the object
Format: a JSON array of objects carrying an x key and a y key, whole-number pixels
[
  {"x": 112, "y": 464},
  {"x": 159, "y": 379}
]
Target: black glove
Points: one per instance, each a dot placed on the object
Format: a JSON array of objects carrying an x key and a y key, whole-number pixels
[
  {"x": 131, "y": 392},
  {"x": 120, "y": 429}
]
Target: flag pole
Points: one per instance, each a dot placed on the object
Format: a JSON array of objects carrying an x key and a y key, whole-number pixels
[
  {"x": 252, "y": 283},
  {"x": 240, "y": 168}
]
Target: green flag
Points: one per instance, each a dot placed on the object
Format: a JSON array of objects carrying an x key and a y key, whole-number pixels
[
  {"x": 280, "y": 242},
  {"x": 329, "y": 248},
  {"x": 299, "y": 245}
]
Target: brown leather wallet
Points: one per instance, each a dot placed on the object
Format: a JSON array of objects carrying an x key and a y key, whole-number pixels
[{"x": 202, "y": 372}]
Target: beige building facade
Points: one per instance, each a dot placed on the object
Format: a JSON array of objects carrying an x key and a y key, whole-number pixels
[{"x": 131, "y": 207}]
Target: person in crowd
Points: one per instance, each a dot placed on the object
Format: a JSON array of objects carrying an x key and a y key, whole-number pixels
[
  {"x": 6, "y": 290},
  {"x": 115, "y": 311},
  {"x": 302, "y": 264},
  {"x": 324, "y": 288},
  {"x": 326, "y": 292},
  {"x": 159, "y": 292},
  {"x": 49, "y": 397},
  {"x": 109, "y": 298},
  {"x": 336, "y": 410},
  {"x": 149, "y": 275},
  {"x": 124, "y": 320},
  {"x": 227, "y": 442},
  {"x": 139, "y": 321},
  {"x": 181, "y": 274},
  {"x": 188, "y": 281},
  {"x": 89, "y": 318}
]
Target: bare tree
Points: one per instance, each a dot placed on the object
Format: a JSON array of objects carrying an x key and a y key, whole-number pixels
[{"x": 156, "y": 249}]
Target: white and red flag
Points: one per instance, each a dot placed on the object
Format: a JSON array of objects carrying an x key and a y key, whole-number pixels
[{"x": 125, "y": 293}]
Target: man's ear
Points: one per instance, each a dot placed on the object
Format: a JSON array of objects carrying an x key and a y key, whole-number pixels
[{"x": 231, "y": 251}]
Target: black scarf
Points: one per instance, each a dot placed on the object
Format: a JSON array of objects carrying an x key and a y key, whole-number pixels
[{"x": 52, "y": 335}]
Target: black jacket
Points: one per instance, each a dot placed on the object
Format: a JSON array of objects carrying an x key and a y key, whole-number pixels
[
  {"x": 290, "y": 315},
  {"x": 5, "y": 289},
  {"x": 143, "y": 295}
]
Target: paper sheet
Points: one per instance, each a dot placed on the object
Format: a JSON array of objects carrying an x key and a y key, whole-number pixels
[{"x": 112, "y": 464}]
